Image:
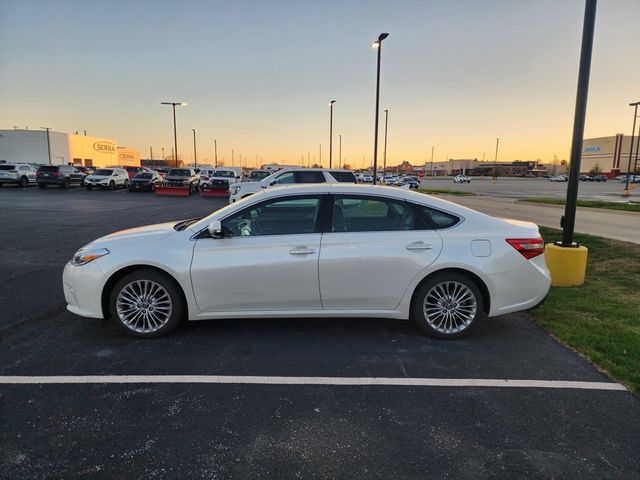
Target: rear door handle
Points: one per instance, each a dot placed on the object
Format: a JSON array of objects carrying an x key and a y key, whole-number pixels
[
  {"x": 419, "y": 246},
  {"x": 302, "y": 250}
]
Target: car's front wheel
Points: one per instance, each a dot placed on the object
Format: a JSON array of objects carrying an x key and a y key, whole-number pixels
[
  {"x": 447, "y": 305},
  {"x": 147, "y": 304}
]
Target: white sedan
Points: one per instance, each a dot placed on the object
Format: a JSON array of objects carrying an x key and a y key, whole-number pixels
[{"x": 316, "y": 250}]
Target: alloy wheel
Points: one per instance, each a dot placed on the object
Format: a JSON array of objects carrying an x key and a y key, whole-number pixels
[
  {"x": 450, "y": 307},
  {"x": 144, "y": 306}
]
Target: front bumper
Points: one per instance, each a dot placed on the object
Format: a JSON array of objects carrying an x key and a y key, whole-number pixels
[{"x": 83, "y": 289}]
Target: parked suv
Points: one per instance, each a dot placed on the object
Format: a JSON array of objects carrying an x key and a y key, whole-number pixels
[
  {"x": 110, "y": 178},
  {"x": 63, "y": 176},
  {"x": 145, "y": 181},
  {"x": 290, "y": 176},
  {"x": 219, "y": 178},
  {"x": 182, "y": 177},
  {"x": 20, "y": 173}
]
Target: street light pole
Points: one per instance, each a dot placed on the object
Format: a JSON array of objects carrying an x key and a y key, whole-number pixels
[
  {"x": 386, "y": 120},
  {"x": 195, "y": 154},
  {"x": 633, "y": 131},
  {"x": 331, "y": 132},
  {"x": 495, "y": 162},
  {"x": 578, "y": 122},
  {"x": 49, "y": 142},
  {"x": 320, "y": 158},
  {"x": 175, "y": 134},
  {"x": 432, "y": 150},
  {"x": 215, "y": 153},
  {"x": 340, "y": 151},
  {"x": 377, "y": 44}
]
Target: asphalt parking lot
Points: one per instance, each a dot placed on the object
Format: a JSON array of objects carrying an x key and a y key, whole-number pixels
[{"x": 188, "y": 427}]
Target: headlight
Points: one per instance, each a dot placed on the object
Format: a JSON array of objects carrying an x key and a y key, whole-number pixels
[
  {"x": 82, "y": 257},
  {"x": 235, "y": 189}
]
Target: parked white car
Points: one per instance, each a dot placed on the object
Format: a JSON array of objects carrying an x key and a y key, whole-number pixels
[
  {"x": 559, "y": 178},
  {"x": 110, "y": 178},
  {"x": 21, "y": 174},
  {"x": 289, "y": 176},
  {"x": 461, "y": 179},
  {"x": 322, "y": 250}
]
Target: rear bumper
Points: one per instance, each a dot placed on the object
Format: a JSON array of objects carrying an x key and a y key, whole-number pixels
[
  {"x": 524, "y": 288},
  {"x": 50, "y": 180}
]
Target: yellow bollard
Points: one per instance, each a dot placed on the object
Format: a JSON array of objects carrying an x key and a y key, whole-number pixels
[{"x": 567, "y": 265}]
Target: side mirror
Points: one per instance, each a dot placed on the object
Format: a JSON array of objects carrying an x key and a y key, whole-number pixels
[{"x": 215, "y": 229}]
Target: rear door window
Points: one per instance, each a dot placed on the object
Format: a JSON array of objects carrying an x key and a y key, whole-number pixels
[
  {"x": 309, "y": 177},
  {"x": 373, "y": 214}
]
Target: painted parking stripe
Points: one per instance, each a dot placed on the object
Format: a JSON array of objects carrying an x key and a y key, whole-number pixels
[{"x": 336, "y": 381}]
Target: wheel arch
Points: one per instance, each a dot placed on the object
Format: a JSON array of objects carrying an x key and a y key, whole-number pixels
[
  {"x": 116, "y": 276},
  {"x": 486, "y": 296}
]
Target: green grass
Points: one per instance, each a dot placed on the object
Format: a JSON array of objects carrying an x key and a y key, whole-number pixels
[
  {"x": 627, "y": 207},
  {"x": 445, "y": 191},
  {"x": 600, "y": 319}
]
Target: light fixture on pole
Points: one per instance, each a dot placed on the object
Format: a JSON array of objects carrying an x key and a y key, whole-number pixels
[
  {"x": 377, "y": 44},
  {"x": 175, "y": 134},
  {"x": 195, "y": 153},
  {"x": 331, "y": 103},
  {"x": 625, "y": 192},
  {"x": 49, "y": 142}
]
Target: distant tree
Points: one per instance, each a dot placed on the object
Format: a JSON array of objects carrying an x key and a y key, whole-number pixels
[
  {"x": 315, "y": 165},
  {"x": 346, "y": 166},
  {"x": 596, "y": 170}
]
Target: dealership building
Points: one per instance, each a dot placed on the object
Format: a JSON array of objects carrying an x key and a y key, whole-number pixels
[
  {"x": 610, "y": 154},
  {"x": 57, "y": 148}
]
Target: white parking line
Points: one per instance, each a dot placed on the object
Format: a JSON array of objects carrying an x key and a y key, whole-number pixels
[{"x": 337, "y": 381}]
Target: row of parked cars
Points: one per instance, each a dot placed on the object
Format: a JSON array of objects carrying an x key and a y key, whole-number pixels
[{"x": 390, "y": 179}]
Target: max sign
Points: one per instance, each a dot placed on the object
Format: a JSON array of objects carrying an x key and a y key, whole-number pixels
[{"x": 104, "y": 147}]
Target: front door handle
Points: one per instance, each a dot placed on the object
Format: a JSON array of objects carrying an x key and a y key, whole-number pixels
[
  {"x": 302, "y": 250},
  {"x": 419, "y": 246}
]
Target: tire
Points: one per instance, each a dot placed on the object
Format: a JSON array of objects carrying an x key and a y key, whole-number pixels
[
  {"x": 24, "y": 181},
  {"x": 126, "y": 184},
  {"x": 455, "y": 305},
  {"x": 89, "y": 187},
  {"x": 82, "y": 183},
  {"x": 42, "y": 185},
  {"x": 146, "y": 320},
  {"x": 112, "y": 185}
]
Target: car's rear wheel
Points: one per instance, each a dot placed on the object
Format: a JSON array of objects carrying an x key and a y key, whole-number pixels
[
  {"x": 24, "y": 181},
  {"x": 126, "y": 184},
  {"x": 448, "y": 305},
  {"x": 146, "y": 304},
  {"x": 65, "y": 183},
  {"x": 112, "y": 185}
]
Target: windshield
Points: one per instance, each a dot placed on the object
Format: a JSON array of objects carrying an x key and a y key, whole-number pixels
[
  {"x": 103, "y": 171},
  {"x": 49, "y": 168},
  {"x": 144, "y": 175},
  {"x": 178, "y": 172},
  {"x": 258, "y": 175},
  {"x": 224, "y": 174},
  {"x": 272, "y": 177}
]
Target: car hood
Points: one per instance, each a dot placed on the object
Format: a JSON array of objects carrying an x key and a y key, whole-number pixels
[
  {"x": 98, "y": 177},
  {"x": 146, "y": 234}
]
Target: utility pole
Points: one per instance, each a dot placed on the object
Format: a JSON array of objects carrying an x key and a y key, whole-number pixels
[
  {"x": 384, "y": 155},
  {"x": 150, "y": 152},
  {"x": 215, "y": 153},
  {"x": 432, "y": 150},
  {"x": 495, "y": 164},
  {"x": 232, "y": 152},
  {"x": 320, "y": 157},
  {"x": 340, "y": 151},
  {"x": 49, "y": 142}
]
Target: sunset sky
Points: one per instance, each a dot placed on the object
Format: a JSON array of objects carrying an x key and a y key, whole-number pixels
[{"x": 258, "y": 75}]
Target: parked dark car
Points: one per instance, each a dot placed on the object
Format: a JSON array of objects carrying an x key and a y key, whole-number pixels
[
  {"x": 145, "y": 182},
  {"x": 412, "y": 182},
  {"x": 63, "y": 176},
  {"x": 586, "y": 178},
  {"x": 599, "y": 178}
]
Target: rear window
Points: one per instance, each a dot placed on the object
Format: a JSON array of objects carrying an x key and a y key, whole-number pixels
[
  {"x": 7, "y": 167},
  {"x": 438, "y": 218},
  {"x": 224, "y": 174},
  {"x": 131, "y": 169},
  {"x": 49, "y": 168},
  {"x": 103, "y": 171},
  {"x": 144, "y": 175},
  {"x": 343, "y": 176}
]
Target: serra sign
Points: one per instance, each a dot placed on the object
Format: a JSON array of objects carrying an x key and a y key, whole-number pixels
[{"x": 104, "y": 147}]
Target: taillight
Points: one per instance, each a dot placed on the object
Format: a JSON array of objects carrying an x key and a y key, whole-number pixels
[
  {"x": 55, "y": 174},
  {"x": 204, "y": 178},
  {"x": 528, "y": 247}
]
